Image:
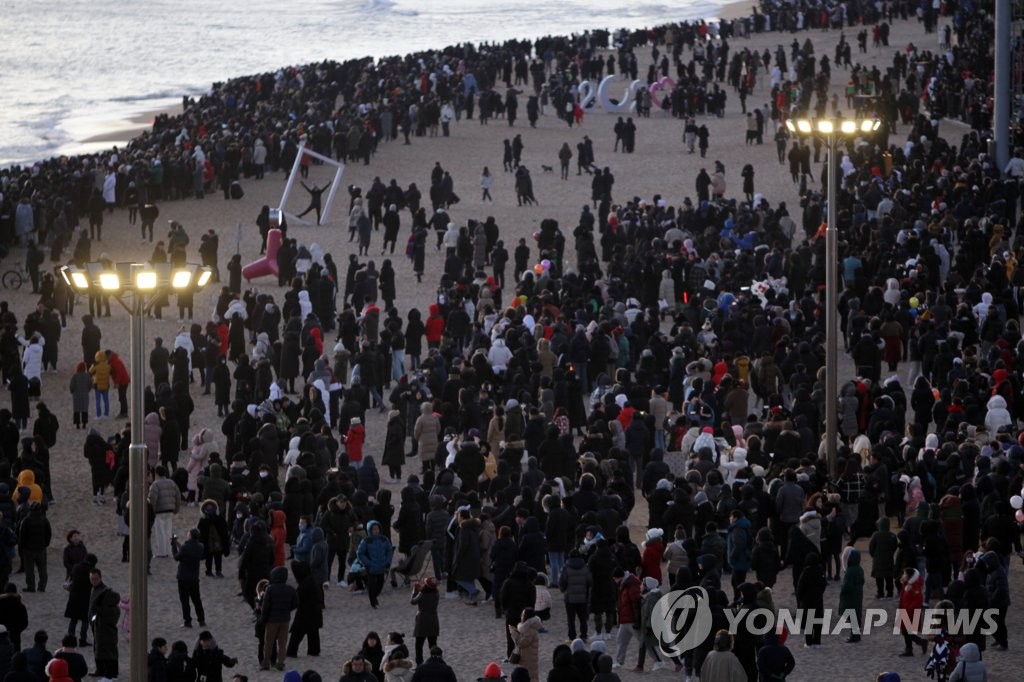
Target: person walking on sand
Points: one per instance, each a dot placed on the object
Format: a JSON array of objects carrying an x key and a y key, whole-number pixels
[
  {"x": 564, "y": 157},
  {"x": 314, "y": 199},
  {"x": 486, "y": 182},
  {"x": 375, "y": 552}
]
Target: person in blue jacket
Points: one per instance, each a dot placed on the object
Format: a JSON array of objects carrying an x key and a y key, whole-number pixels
[
  {"x": 304, "y": 543},
  {"x": 375, "y": 552}
]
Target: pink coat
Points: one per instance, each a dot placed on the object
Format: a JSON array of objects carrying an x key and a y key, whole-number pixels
[{"x": 202, "y": 446}]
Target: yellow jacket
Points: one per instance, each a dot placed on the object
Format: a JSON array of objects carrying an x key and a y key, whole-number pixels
[{"x": 100, "y": 372}]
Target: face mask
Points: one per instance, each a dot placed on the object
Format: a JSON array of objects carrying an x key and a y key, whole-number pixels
[
  {"x": 238, "y": 516},
  {"x": 264, "y": 474},
  {"x": 302, "y": 526}
]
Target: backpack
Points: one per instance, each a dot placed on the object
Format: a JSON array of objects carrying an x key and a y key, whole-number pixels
[{"x": 215, "y": 542}]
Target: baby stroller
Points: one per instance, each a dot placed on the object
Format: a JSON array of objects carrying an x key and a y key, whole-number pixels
[{"x": 414, "y": 566}]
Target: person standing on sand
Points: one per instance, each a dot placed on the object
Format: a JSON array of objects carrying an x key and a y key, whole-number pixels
[
  {"x": 564, "y": 157},
  {"x": 110, "y": 189}
]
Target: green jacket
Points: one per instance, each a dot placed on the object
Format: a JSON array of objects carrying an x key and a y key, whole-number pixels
[{"x": 851, "y": 593}]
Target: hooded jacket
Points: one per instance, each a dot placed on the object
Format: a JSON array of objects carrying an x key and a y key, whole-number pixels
[
  {"x": 970, "y": 667},
  {"x": 997, "y": 414},
  {"x": 575, "y": 581},
  {"x": 882, "y": 549},
  {"x": 27, "y": 479},
  {"x": 740, "y": 544},
  {"x": 851, "y": 593},
  {"x": 375, "y": 551},
  {"x": 427, "y": 431},
  {"x": 100, "y": 372},
  {"x": 280, "y": 599}
]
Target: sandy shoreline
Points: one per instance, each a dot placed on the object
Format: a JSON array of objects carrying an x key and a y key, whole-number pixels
[
  {"x": 470, "y": 637},
  {"x": 127, "y": 129}
]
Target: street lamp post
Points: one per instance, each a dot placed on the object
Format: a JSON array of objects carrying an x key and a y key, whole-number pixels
[
  {"x": 136, "y": 286},
  {"x": 832, "y": 131}
]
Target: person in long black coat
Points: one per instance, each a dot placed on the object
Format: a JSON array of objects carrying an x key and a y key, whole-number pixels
[
  {"x": 77, "y": 608},
  {"x": 309, "y": 616},
  {"x": 256, "y": 561},
  {"x": 603, "y": 594},
  {"x": 291, "y": 350},
  {"x": 516, "y": 594},
  {"x": 533, "y": 547},
  {"x": 104, "y": 614},
  {"x": 394, "y": 446},
  {"x": 409, "y": 523}
]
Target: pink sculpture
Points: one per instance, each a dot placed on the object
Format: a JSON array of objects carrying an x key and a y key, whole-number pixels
[{"x": 267, "y": 265}]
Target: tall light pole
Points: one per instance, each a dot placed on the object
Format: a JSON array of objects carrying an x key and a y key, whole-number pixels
[
  {"x": 831, "y": 131},
  {"x": 136, "y": 286}
]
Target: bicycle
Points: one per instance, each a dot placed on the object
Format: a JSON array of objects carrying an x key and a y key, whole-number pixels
[{"x": 13, "y": 278}]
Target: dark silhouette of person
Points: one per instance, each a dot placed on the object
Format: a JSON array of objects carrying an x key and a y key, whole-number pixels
[{"x": 314, "y": 199}]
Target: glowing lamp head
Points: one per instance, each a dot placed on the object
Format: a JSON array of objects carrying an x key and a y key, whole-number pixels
[
  {"x": 79, "y": 280},
  {"x": 204, "y": 278},
  {"x": 790, "y": 125},
  {"x": 869, "y": 126},
  {"x": 804, "y": 126},
  {"x": 848, "y": 127},
  {"x": 181, "y": 279},
  {"x": 109, "y": 281},
  {"x": 825, "y": 127},
  {"x": 145, "y": 280}
]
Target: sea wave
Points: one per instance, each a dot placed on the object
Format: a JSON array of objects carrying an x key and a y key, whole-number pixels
[{"x": 91, "y": 83}]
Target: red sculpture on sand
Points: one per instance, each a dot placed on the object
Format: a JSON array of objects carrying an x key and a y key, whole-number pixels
[{"x": 267, "y": 265}]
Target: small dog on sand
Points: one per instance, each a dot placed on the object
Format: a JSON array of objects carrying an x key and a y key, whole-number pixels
[{"x": 547, "y": 169}]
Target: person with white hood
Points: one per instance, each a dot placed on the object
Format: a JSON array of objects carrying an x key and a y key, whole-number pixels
[
  {"x": 110, "y": 189},
  {"x": 997, "y": 415},
  {"x": 980, "y": 310},
  {"x": 261, "y": 351},
  {"x": 259, "y": 158},
  {"x": 291, "y": 457},
  {"x": 737, "y": 462},
  {"x": 236, "y": 307},
  {"x": 498, "y": 356},
  {"x": 305, "y": 305},
  {"x": 184, "y": 340},
  {"x": 32, "y": 358}
]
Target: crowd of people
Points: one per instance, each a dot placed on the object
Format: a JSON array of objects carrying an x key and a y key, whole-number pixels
[{"x": 672, "y": 357}]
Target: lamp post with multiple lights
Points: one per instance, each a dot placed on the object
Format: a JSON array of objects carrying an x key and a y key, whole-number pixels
[
  {"x": 832, "y": 131},
  {"x": 136, "y": 287}
]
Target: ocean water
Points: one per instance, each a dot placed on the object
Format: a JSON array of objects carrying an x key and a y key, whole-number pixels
[{"x": 73, "y": 70}]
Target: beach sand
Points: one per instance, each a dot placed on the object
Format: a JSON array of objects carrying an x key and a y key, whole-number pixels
[
  {"x": 471, "y": 637},
  {"x": 121, "y": 131}
]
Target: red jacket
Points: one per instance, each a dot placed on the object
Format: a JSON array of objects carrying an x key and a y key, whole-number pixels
[
  {"x": 222, "y": 336},
  {"x": 118, "y": 372},
  {"x": 911, "y": 601},
  {"x": 628, "y": 599},
  {"x": 354, "y": 443},
  {"x": 279, "y": 533},
  {"x": 435, "y": 325},
  {"x": 650, "y": 562}
]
